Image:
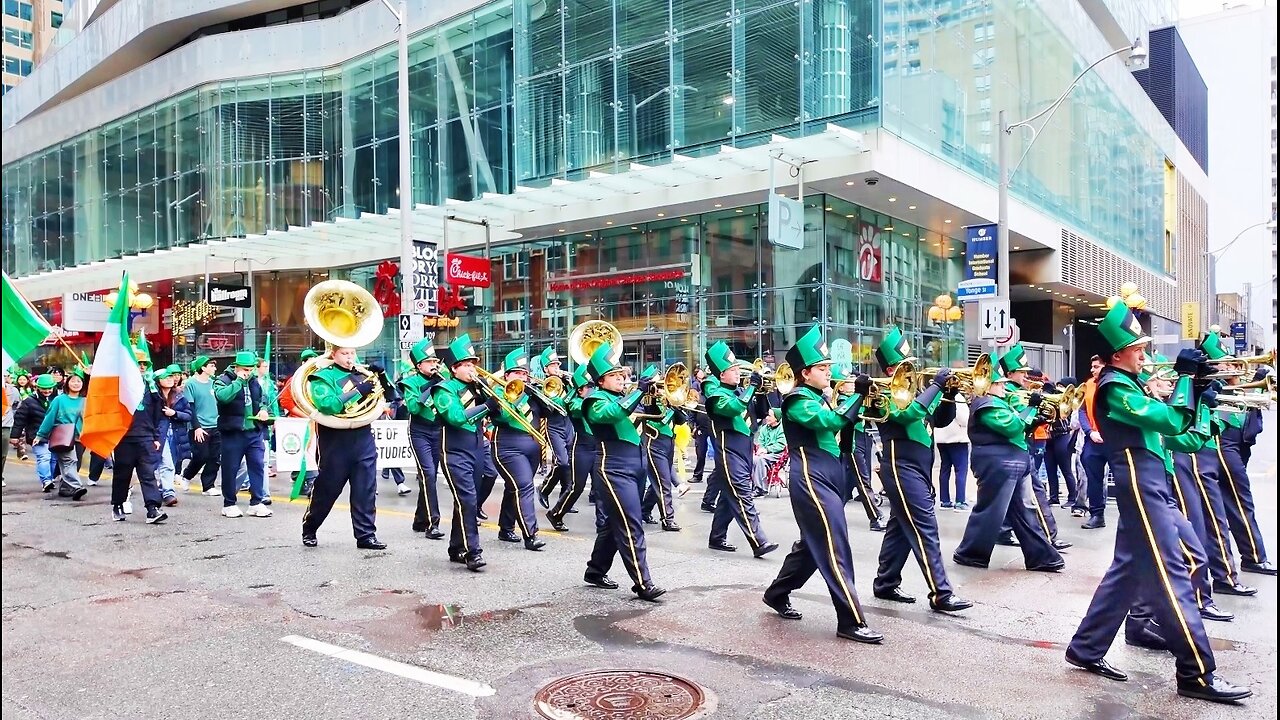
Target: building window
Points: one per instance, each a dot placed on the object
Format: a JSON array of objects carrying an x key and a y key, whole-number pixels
[
  {"x": 982, "y": 83},
  {"x": 513, "y": 315},
  {"x": 14, "y": 8},
  {"x": 984, "y": 32},
  {"x": 11, "y": 65},
  {"x": 983, "y": 57},
  {"x": 515, "y": 266},
  {"x": 55, "y": 20},
  {"x": 984, "y": 105},
  {"x": 25, "y": 40}
]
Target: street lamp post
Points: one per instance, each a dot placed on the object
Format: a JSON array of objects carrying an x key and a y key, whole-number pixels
[
  {"x": 1137, "y": 53},
  {"x": 1248, "y": 308},
  {"x": 944, "y": 312},
  {"x": 401, "y": 12}
]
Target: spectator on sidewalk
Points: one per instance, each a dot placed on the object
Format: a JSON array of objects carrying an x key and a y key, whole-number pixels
[
  {"x": 952, "y": 441},
  {"x": 206, "y": 439},
  {"x": 769, "y": 444}
]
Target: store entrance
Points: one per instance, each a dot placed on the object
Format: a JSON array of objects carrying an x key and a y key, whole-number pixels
[{"x": 638, "y": 351}]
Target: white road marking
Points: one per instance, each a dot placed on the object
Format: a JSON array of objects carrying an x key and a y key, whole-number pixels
[{"x": 412, "y": 672}]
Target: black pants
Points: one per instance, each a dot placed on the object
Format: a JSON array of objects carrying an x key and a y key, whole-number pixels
[
  {"x": 96, "y": 465},
  {"x": 206, "y": 459},
  {"x": 619, "y": 473},
  {"x": 1059, "y": 457},
  {"x": 1094, "y": 460},
  {"x": 700, "y": 451},
  {"x": 516, "y": 456},
  {"x": 906, "y": 471},
  {"x": 135, "y": 455},
  {"x": 658, "y": 462},
  {"x": 345, "y": 456},
  {"x": 1237, "y": 494},
  {"x": 583, "y": 452},
  {"x": 426, "y": 451}
]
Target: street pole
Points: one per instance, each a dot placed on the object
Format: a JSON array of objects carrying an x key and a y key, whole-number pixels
[
  {"x": 407, "y": 261},
  {"x": 1002, "y": 216}
]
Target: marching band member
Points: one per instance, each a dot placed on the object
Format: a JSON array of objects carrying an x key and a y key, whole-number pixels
[
  {"x": 998, "y": 426},
  {"x": 343, "y": 455},
  {"x": 558, "y": 429},
  {"x": 1236, "y": 488},
  {"x": 905, "y": 470},
  {"x": 516, "y": 455},
  {"x": 855, "y": 453},
  {"x": 817, "y": 481},
  {"x": 659, "y": 448},
  {"x": 607, "y": 412},
  {"x": 460, "y": 406},
  {"x": 583, "y": 451},
  {"x": 424, "y": 434},
  {"x": 1149, "y": 563},
  {"x": 727, "y": 407}
]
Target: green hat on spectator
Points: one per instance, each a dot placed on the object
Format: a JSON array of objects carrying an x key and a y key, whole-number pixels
[
  {"x": 246, "y": 358},
  {"x": 46, "y": 382},
  {"x": 199, "y": 363}
]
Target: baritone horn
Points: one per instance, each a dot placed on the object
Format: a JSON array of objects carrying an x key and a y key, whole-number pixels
[
  {"x": 973, "y": 381},
  {"x": 782, "y": 379},
  {"x": 343, "y": 314}
]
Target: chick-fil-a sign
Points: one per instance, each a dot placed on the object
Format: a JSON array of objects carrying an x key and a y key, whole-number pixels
[{"x": 468, "y": 271}]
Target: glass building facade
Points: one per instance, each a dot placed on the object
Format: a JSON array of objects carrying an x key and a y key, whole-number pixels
[{"x": 521, "y": 92}]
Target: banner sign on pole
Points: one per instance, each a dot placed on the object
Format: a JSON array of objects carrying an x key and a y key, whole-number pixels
[
  {"x": 290, "y": 432},
  {"x": 1190, "y": 321},
  {"x": 1240, "y": 333},
  {"x": 392, "y": 439},
  {"x": 426, "y": 278},
  {"x": 980, "y": 269}
]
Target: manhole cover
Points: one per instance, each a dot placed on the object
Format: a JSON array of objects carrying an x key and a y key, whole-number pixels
[{"x": 619, "y": 695}]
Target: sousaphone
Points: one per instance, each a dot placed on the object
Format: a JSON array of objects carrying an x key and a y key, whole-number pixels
[{"x": 343, "y": 314}]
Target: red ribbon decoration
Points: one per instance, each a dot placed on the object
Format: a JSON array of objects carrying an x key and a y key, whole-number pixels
[
  {"x": 635, "y": 278},
  {"x": 384, "y": 286},
  {"x": 450, "y": 299}
]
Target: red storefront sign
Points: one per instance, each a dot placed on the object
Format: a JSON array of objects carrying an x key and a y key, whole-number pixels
[
  {"x": 468, "y": 271},
  {"x": 632, "y": 278},
  {"x": 217, "y": 342}
]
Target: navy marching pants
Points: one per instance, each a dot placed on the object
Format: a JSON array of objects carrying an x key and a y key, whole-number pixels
[
  {"x": 905, "y": 470},
  {"x": 1207, "y": 470},
  {"x": 618, "y": 477},
  {"x": 462, "y": 462},
  {"x": 860, "y": 476},
  {"x": 737, "y": 499},
  {"x": 583, "y": 452},
  {"x": 344, "y": 456},
  {"x": 658, "y": 462},
  {"x": 1094, "y": 460},
  {"x": 1059, "y": 457},
  {"x": 1237, "y": 495},
  {"x": 1189, "y": 490},
  {"x": 1004, "y": 493},
  {"x": 426, "y": 450},
  {"x": 816, "y": 485},
  {"x": 516, "y": 456},
  {"x": 1149, "y": 565}
]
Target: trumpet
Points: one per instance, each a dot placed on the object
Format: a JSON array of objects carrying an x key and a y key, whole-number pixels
[
  {"x": 973, "y": 382},
  {"x": 1231, "y": 402},
  {"x": 511, "y": 392},
  {"x": 895, "y": 392},
  {"x": 783, "y": 379}
]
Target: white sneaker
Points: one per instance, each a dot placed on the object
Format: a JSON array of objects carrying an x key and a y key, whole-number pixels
[
  {"x": 181, "y": 483},
  {"x": 128, "y": 507},
  {"x": 92, "y": 482},
  {"x": 258, "y": 511},
  {"x": 232, "y": 511},
  {"x": 211, "y": 492},
  {"x": 403, "y": 489}
]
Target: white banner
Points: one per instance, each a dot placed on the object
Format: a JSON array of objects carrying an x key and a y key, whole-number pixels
[
  {"x": 290, "y": 432},
  {"x": 85, "y": 312},
  {"x": 394, "y": 448}
]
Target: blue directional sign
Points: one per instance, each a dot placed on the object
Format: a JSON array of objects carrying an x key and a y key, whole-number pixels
[
  {"x": 980, "y": 269},
  {"x": 1240, "y": 333}
]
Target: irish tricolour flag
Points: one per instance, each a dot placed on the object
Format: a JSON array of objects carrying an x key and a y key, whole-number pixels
[
  {"x": 115, "y": 383},
  {"x": 24, "y": 328}
]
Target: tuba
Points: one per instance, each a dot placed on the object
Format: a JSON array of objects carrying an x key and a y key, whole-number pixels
[
  {"x": 589, "y": 336},
  {"x": 343, "y": 314}
]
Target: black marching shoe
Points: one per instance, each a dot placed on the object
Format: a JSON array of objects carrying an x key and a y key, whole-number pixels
[
  {"x": 649, "y": 592},
  {"x": 155, "y": 515},
  {"x": 371, "y": 543},
  {"x": 79, "y": 493},
  {"x": 1097, "y": 667},
  {"x": 459, "y": 558},
  {"x": 1145, "y": 638},
  {"x": 950, "y": 603},
  {"x": 508, "y": 536},
  {"x": 475, "y": 563},
  {"x": 543, "y": 500},
  {"x": 1240, "y": 589},
  {"x": 722, "y": 546},
  {"x": 959, "y": 559},
  {"x": 419, "y": 527},
  {"x": 1061, "y": 544},
  {"x": 1216, "y": 690},
  {"x": 1213, "y": 612},
  {"x": 433, "y": 532},
  {"x": 480, "y": 514},
  {"x": 706, "y": 508},
  {"x": 860, "y": 633},
  {"x": 1262, "y": 568},
  {"x": 533, "y": 543},
  {"x": 894, "y": 595},
  {"x": 557, "y": 523},
  {"x": 1051, "y": 567},
  {"x": 600, "y": 581},
  {"x": 764, "y": 549},
  {"x": 648, "y": 520},
  {"x": 117, "y": 513},
  {"x": 1094, "y": 523},
  {"x": 878, "y": 526},
  {"x": 782, "y": 606},
  {"x": 670, "y": 526},
  {"x": 309, "y": 540}
]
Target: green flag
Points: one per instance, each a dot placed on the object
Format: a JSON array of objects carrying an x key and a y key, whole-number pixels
[
  {"x": 24, "y": 328},
  {"x": 302, "y": 470}
]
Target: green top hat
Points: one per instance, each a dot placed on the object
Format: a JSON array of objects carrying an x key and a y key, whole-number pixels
[
  {"x": 809, "y": 350},
  {"x": 46, "y": 382},
  {"x": 719, "y": 357},
  {"x": 517, "y": 359},
  {"x": 893, "y": 349},
  {"x": 580, "y": 377},
  {"x": 246, "y": 358},
  {"x": 422, "y": 350},
  {"x": 1013, "y": 360},
  {"x": 460, "y": 350},
  {"x": 548, "y": 356},
  {"x": 141, "y": 353},
  {"x": 18, "y": 371},
  {"x": 80, "y": 371},
  {"x": 198, "y": 364},
  {"x": 1120, "y": 328},
  {"x": 307, "y": 354},
  {"x": 600, "y": 363},
  {"x": 650, "y": 372},
  {"x": 1212, "y": 346}
]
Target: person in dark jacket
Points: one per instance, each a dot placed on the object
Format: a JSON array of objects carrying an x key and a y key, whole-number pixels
[
  {"x": 26, "y": 421},
  {"x": 241, "y": 416},
  {"x": 136, "y": 453}
]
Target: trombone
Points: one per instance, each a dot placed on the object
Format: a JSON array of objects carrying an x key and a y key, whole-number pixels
[
  {"x": 511, "y": 392},
  {"x": 1242, "y": 398},
  {"x": 894, "y": 392},
  {"x": 973, "y": 382}
]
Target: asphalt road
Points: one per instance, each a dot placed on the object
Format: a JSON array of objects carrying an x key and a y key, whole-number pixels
[{"x": 186, "y": 620}]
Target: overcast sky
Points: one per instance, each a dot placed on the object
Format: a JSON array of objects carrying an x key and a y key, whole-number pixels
[{"x": 1191, "y": 8}]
